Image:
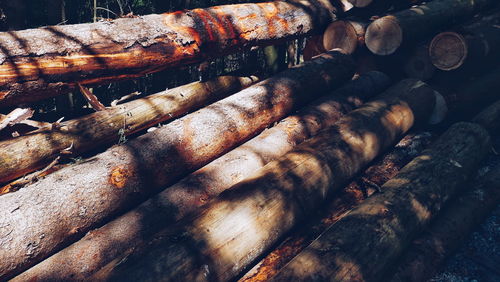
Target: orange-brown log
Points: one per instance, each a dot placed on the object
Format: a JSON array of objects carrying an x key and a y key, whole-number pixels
[
  {"x": 474, "y": 47},
  {"x": 60, "y": 208},
  {"x": 451, "y": 228},
  {"x": 27, "y": 153},
  {"x": 368, "y": 241},
  {"x": 385, "y": 35},
  {"x": 246, "y": 220},
  {"x": 355, "y": 193},
  {"x": 313, "y": 47},
  {"x": 136, "y": 227},
  {"x": 48, "y": 61}
]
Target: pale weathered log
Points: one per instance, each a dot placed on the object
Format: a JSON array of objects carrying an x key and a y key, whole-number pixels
[
  {"x": 243, "y": 222},
  {"x": 60, "y": 208},
  {"x": 355, "y": 193},
  {"x": 136, "y": 227},
  {"x": 453, "y": 225},
  {"x": 341, "y": 34},
  {"x": 473, "y": 47},
  {"x": 48, "y": 61},
  {"x": 27, "y": 153},
  {"x": 385, "y": 35},
  {"x": 367, "y": 241}
]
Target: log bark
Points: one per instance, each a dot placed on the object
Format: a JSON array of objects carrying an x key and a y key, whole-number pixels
[
  {"x": 243, "y": 222},
  {"x": 63, "y": 206},
  {"x": 451, "y": 228},
  {"x": 418, "y": 64},
  {"x": 367, "y": 241},
  {"x": 385, "y": 35},
  {"x": 473, "y": 47},
  {"x": 45, "y": 62},
  {"x": 355, "y": 193},
  {"x": 27, "y": 153},
  {"x": 489, "y": 118},
  {"x": 101, "y": 246}
]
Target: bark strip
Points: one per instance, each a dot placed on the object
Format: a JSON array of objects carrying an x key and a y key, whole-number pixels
[
  {"x": 245, "y": 221},
  {"x": 57, "y": 210},
  {"x": 49, "y": 61}
]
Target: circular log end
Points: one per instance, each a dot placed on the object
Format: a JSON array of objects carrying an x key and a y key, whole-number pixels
[
  {"x": 384, "y": 36},
  {"x": 360, "y": 3},
  {"x": 448, "y": 51},
  {"x": 440, "y": 109},
  {"x": 313, "y": 47},
  {"x": 419, "y": 64},
  {"x": 342, "y": 35}
]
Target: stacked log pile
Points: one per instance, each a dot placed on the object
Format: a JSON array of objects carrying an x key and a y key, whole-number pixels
[{"x": 251, "y": 173}]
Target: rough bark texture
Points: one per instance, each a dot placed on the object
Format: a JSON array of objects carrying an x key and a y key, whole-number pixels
[
  {"x": 51, "y": 213},
  {"x": 489, "y": 118},
  {"x": 474, "y": 46},
  {"x": 27, "y": 153},
  {"x": 451, "y": 228},
  {"x": 385, "y": 35},
  {"x": 243, "y": 222},
  {"x": 355, "y": 193},
  {"x": 368, "y": 240},
  {"x": 100, "y": 246},
  {"x": 44, "y": 62}
]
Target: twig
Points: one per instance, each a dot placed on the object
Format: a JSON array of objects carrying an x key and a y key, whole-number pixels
[{"x": 91, "y": 98}]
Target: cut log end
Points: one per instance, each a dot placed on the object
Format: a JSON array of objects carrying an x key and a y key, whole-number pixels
[
  {"x": 340, "y": 34},
  {"x": 384, "y": 36},
  {"x": 360, "y": 3},
  {"x": 440, "y": 109},
  {"x": 313, "y": 48},
  {"x": 448, "y": 51}
]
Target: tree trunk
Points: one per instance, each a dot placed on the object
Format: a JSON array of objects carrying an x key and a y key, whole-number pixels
[
  {"x": 367, "y": 241},
  {"x": 474, "y": 47},
  {"x": 27, "y": 153},
  {"x": 385, "y": 35},
  {"x": 135, "y": 228},
  {"x": 245, "y": 221},
  {"x": 450, "y": 229},
  {"x": 45, "y": 62},
  {"x": 355, "y": 193},
  {"x": 63, "y": 206}
]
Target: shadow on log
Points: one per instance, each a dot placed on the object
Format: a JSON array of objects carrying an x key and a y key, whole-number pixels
[
  {"x": 367, "y": 241},
  {"x": 102, "y": 245},
  {"x": 27, "y": 153},
  {"x": 243, "y": 222},
  {"x": 62, "y": 207}
]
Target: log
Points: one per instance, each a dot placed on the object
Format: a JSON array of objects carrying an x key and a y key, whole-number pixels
[
  {"x": 367, "y": 241},
  {"x": 489, "y": 118},
  {"x": 40, "y": 63},
  {"x": 341, "y": 34},
  {"x": 27, "y": 153},
  {"x": 474, "y": 47},
  {"x": 60, "y": 208},
  {"x": 451, "y": 228},
  {"x": 385, "y": 35},
  {"x": 245, "y": 221},
  {"x": 355, "y": 193},
  {"x": 102, "y": 245}
]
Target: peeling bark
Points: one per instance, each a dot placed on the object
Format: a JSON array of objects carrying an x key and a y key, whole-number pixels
[{"x": 49, "y": 61}]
